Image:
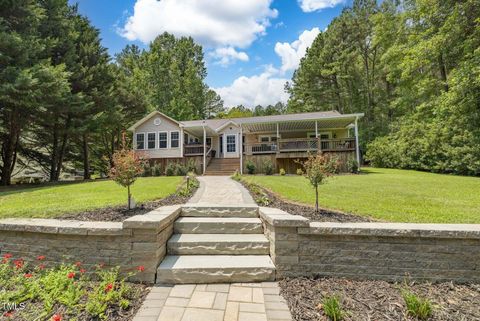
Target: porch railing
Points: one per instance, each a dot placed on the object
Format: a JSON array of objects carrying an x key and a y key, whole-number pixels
[
  {"x": 194, "y": 149},
  {"x": 302, "y": 145}
]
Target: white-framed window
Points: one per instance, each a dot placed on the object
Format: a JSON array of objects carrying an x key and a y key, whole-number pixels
[
  {"x": 162, "y": 140},
  {"x": 174, "y": 139},
  {"x": 140, "y": 140},
  {"x": 231, "y": 144},
  {"x": 267, "y": 138},
  {"x": 151, "y": 140}
]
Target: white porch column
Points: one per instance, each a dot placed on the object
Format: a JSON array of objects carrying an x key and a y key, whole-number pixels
[
  {"x": 316, "y": 129},
  {"x": 278, "y": 133},
  {"x": 181, "y": 142},
  {"x": 241, "y": 149},
  {"x": 357, "y": 148},
  {"x": 319, "y": 145},
  {"x": 204, "y": 150}
]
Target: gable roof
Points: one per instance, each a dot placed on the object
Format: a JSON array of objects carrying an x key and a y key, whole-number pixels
[{"x": 153, "y": 113}]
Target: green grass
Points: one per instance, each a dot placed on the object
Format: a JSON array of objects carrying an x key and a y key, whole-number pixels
[
  {"x": 54, "y": 200},
  {"x": 388, "y": 195}
]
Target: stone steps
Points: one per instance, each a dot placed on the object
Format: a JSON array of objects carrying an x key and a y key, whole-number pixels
[
  {"x": 218, "y": 244},
  {"x": 215, "y": 269},
  {"x": 218, "y": 225},
  {"x": 220, "y": 211}
]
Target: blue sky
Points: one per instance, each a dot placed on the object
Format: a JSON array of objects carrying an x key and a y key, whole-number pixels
[{"x": 251, "y": 47}]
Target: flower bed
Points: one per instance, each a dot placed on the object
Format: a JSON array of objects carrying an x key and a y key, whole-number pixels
[{"x": 64, "y": 292}]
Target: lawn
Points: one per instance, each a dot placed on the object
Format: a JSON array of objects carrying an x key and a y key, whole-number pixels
[
  {"x": 54, "y": 200},
  {"x": 388, "y": 195}
]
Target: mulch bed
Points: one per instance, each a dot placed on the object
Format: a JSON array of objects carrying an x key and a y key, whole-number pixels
[
  {"x": 324, "y": 215},
  {"x": 121, "y": 213},
  {"x": 379, "y": 300}
]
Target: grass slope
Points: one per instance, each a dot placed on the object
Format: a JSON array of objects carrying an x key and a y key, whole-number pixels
[
  {"x": 56, "y": 199},
  {"x": 388, "y": 195}
]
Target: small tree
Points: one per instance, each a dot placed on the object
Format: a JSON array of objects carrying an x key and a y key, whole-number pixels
[
  {"x": 127, "y": 166},
  {"x": 317, "y": 169}
]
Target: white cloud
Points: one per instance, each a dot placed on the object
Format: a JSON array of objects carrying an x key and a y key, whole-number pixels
[
  {"x": 227, "y": 55},
  {"x": 314, "y": 5},
  {"x": 263, "y": 89},
  {"x": 213, "y": 23},
  {"x": 291, "y": 53}
]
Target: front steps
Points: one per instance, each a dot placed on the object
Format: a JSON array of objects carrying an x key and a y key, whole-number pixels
[
  {"x": 217, "y": 247},
  {"x": 223, "y": 166}
]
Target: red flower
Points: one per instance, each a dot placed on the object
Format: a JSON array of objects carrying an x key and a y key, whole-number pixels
[
  {"x": 71, "y": 275},
  {"x": 141, "y": 268},
  {"x": 108, "y": 287},
  {"x": 41, "y": 267},
  {"x": 57, "y": 317},
  {"x": 28, "y": 275},
  {"x": 41, "y": 257},
  {"x": 7, "y": 255},
  {"x": 18, "y": 263},
  {"x": 78, "y": 264},
  {"x": 8, "y": 314},
  {"x": 83, "y": 271}
]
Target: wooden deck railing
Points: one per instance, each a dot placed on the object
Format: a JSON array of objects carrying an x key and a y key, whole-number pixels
[
  {"x": 301, "y": 145},
  {"x": 194, "y": 149}
]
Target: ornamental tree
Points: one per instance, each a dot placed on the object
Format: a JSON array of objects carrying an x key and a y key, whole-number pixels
[
  {"x": 127, "y": 166},
  {"x": 317, "y": 169}
]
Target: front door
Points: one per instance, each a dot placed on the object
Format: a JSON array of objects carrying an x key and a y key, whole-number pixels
[
  {"x": 231, "y": 146},
  {"x": 220, "y": 147}
]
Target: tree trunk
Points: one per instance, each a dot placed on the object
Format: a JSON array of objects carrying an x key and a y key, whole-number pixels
[
  {"x": 316, "y": 199},
  {"x": 443, "y": 72},
  {"x": 61, "y": 152},
  {"x": 129, "y": 197},
  {"x": 54, "y": 155},
  {"x": 86, "y": 160}
]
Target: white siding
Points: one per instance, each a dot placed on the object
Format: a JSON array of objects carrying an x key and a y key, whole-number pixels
[
  {"x": 167, "y": 126},
  {"x": 231, "y": 130}
]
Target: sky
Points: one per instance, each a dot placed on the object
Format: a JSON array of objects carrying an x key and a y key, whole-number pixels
[{"x": 251, "y": 47}]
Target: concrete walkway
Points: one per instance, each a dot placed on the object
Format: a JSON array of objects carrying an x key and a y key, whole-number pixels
[
  {"x": 221, "y": 190},
  {"x": 215, "y": 302}
]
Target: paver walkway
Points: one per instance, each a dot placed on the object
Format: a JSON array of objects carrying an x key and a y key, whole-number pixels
[
  {"x": 221, "y": 190},
  {"x": 215, "y": 302}
]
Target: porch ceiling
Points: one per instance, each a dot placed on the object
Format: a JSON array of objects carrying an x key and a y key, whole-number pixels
[
  {"x": 197, "y": 131},
  {"x": 303, "y": 125}
]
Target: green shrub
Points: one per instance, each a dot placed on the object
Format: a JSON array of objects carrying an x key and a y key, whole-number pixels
[
  {"x": 332, "y": 308},
  {"x": 236, "y": 176},
  {"x": 157, "y": 170},
  {"x": 191, "y": 166},
  {"x": 418, "y": 307},
  {"x": 282, "y": 172},
  {"x": 147, "y": 169},
  {"x": 180, "y": 170},
  {"x": 268, "y": 167},
  {"x": 190, "y": 184},
  {"x": 352, "y": 165},
  {"x": 299, "y": 171},
  {"x": 250, "y": 167},
  {"x": 170, "y": 169}
]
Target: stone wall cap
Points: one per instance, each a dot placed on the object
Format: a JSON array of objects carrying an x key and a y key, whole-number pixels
[
  {"x": 155, "y": 219},
  {"x": 278, "y": 217},
  {"x": 207, "y": 205},
  {"x": 394, "y": 229},
  {"x": 54, "y": 226}
]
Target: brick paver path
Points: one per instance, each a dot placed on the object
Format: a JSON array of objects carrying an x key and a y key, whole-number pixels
[
  {"x": 215, "y": 302},
  {"x": 221, "y": 190}
]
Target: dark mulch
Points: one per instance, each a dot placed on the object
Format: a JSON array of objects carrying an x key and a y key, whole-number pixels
[
  {"x": 121, "y": 213},
  {"x": 324, "y": 215},
  {"x": 379, "y": 300}
]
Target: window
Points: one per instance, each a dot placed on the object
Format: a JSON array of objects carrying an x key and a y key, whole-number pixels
[
  {"x": 174, "y": 139},
  {"x": 162, "y": 140},
  {"x": 231, "y": 146},
  {"x": 151, "y": 140},
  {"x": 140, "y": 141},
  {"x": 209, "y": 141},
  {"x": 264, "y": 139},
  {"x": 267, "y": 139}
]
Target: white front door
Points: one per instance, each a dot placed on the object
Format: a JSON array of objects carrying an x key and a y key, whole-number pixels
[{"x": 231, "y": 146}]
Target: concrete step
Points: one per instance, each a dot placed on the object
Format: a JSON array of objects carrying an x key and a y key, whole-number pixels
[
  {"x": 215, "y": 269},
  {"x": 219, "y": 211},
  {"x": 218, "y": 225},
  {"x": 218, "y": 244}
]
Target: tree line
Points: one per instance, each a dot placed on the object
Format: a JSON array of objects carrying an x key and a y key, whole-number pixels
[{"x": 412, "y": 67}]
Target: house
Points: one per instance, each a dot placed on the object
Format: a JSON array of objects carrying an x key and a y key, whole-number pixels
[{"x": 221, "y": 146}]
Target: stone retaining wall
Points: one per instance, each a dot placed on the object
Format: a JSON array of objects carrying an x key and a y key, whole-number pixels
[
  {"x": 386, "y": 251},
  {"x": 139, "y": 240}
]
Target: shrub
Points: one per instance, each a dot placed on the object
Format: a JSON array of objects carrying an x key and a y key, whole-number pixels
[
  {"x": 317, "y": 169},
  {"x": 190, "y": 184},
  {"x": 352, "y": 165},
  {"x": 236, "y": 176},
  {"x": 282, "y": 172},
  {"x": 299, "y": 171},
  {"x": 418, "y": 307},
  {"x": 157, "y": 170},
  {"x": 268, "y": 167},
  {"x": 127, "y": 166},
  {"x": 170, "y": 169},
  {"x": 191, "y": 166},
  {"x": 180, "y": 170},
  {"x": 250, "y": 167},
  {"x": 147, "y": 170},
  {"x": 332, "y": 308}
]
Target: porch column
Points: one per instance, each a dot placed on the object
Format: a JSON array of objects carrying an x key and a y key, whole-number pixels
[
  {"x": 278, "y": 138},
  {"x": 357, "y": 148},
  {"x": 240, "y": 148},
  {"x": 181, "y": 142},
  {"x": 319, "y": 145},
  {"x": 204, "y": 150}
]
